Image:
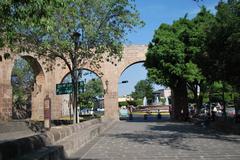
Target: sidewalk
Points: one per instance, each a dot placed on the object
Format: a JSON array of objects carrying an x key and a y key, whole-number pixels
[
  {"x": 161, "y": 140},
  {"x": 14, "y": 130},
  {"x": 15, "y": 135}
]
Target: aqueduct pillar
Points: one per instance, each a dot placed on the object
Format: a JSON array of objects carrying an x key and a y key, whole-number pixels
[
  {"x": 111, "y": 73},
  {"x": 5, "y": 87},
  {"x": 46, "y": 83}
]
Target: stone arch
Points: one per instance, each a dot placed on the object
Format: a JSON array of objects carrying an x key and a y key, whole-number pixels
[
  {"x": 65, "y": 99},
  {"x": 88, "y": 69},
  {"x": 132, "y": 54},
  {"x": 6, "y": 66},
  {"x": 141, "y": 61},
  {"x": 109, "y": 74},
  {"x": 38, "y": 92}
]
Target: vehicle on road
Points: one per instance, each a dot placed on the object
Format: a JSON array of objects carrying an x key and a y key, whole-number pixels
[
  {"x": 100, "y": 109},
  {"x": 123, "y": 113},
  {"x": 86, "y": 112}
]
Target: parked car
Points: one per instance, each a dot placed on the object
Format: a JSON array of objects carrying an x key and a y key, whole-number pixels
[
  {"x": 100, "y": 109},
  {"x": 230, "y": 112},
  {"x": 86, "y": 112},
  {"x": 123, "y": 113}
]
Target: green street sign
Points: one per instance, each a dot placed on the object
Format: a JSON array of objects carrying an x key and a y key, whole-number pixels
[{"x": 67, "y": 88}]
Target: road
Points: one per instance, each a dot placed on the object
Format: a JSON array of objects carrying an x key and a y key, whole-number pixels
[{"x": 164, "y": 140}]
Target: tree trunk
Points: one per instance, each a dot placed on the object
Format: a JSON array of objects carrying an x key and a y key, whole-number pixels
[
  {"x": 69, "y": 106},
  {"x": 75, "y": 89},
  {"x": 237, "y": 106},
  {"x": 180, "y": 108},
  {"x": 74, "y": 83},
  {"x": 200, "y": 102},
  {"x": 224, "y": 103},
  {"x": 196, "y": 98}
]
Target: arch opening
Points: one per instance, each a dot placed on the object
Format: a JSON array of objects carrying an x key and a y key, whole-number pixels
[
  {"x": 27, "y": 80},
  {"x": 140, "y": 93},
  {"x": 90, "y": 101}
]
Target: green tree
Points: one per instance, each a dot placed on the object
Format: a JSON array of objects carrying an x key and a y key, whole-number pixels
[
  {"x": 95, "y": 87},
  {"x": 143, "y": 88},
  {"x": 78, "y": 32},
  {"x": 223, "y": 47},
  {"x": 14, "y": 14},
  {"x": 223, "y": 44},
  {"x": 215, "y": 92},
  {"x": 93, "y": 90},
  {"x": 172, "y": 58},
  {"x": 197, "y": 43},
  {"x": 22, "y": 83}
]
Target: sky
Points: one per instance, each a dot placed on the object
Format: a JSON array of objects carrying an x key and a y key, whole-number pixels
[{"x": 154, "y": 13}]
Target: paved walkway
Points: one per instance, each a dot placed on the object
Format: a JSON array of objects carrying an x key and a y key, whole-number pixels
[
  {"x": 161, "y": 140},
  {"x": 14, "y": 129},
  {"x": 15, "y": 135}
]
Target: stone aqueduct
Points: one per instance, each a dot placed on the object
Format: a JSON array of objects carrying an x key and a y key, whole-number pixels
[{"x": 47, "y": 80}]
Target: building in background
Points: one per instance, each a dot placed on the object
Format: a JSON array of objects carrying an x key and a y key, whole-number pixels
[
  {"x": 125, "y": 99},
  {"x": 162, "y": 96}
]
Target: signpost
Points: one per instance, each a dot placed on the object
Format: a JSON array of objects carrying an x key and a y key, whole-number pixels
[{"x": 67, "y": 88}]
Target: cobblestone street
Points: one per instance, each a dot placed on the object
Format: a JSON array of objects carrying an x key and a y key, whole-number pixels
[{"x": 161, "y": 140}]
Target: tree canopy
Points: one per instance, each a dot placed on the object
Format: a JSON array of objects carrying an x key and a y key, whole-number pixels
[
  {"x": 22, "y": 82},
  {"x": 174, "y": 50},
  {"x": 144, "y": 88},
  {"x": 15, "y": 14},
  {"x": 93, "y": 91},
  {"x": 223, "y": 43},
  {"x": 78, "y": 32},
  {"x": 172, "y": 57}
]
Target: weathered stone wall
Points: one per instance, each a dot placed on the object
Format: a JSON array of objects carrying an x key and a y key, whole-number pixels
[
  {"x": 5, "y": 87},
  {"x": 46, "y": 83},
  {"x": 58, "y": 143},
  {"x": 132, "y": 54}
]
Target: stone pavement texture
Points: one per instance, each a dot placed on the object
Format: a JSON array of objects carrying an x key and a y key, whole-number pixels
[
  {"x": 161, "y": 140},
  {"x": 14, "y": 130}
]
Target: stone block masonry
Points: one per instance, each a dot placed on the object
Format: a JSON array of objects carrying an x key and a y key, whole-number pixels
[
  {"x": 46, "y": 82},
  {"x": 58, "y": 143}
]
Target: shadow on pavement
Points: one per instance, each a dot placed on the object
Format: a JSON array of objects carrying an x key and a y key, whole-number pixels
[
  {"x": 191, "y": 131},
  {"x": 173, "y": 135},
  {"x": 174, "y": 141},
  {"x": 140, "y": 118},
  {"x": 80, "y": 159}
]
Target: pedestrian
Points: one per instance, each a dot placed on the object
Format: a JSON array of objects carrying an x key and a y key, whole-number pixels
[
  {"x": 213, "y": 114},
  {"x": 159, "y": 114}
]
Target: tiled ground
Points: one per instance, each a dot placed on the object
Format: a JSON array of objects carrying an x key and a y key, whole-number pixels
[{"x": 161, "y": 140}]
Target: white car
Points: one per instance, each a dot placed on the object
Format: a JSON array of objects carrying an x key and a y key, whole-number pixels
[
  {"x": 100, "y": 109},
  {"x": 86, "y": 112}
]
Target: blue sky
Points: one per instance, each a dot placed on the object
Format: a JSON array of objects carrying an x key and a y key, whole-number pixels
[{"x": 154, "y": 13}]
